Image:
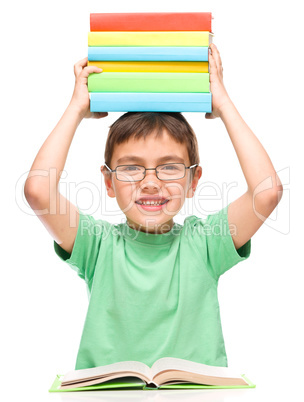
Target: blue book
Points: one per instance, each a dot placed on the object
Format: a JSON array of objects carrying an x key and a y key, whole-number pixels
[
  {"x": 150, "y": 102},
  {"x": 150, "y": 53}
]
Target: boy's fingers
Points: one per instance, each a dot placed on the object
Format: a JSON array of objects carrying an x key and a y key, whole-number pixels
[
  {"x": 98, "y": 115},
  {"x": 217, "y": 57},
  {"x": 78, "y": 67},
  {"x": 212, "y": 65},
  {"x": 89, "y": 70},
  {"x": 209, "y": 116}
]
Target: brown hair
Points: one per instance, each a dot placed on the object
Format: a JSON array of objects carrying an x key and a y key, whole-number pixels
[{"x": 141, "y": 124}]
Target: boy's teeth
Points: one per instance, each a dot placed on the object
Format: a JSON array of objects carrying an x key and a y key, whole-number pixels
[{"x": 151, "y": 202}]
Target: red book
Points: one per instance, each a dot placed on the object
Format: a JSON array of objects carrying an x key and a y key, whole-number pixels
[{"x": 150, "y": 22}]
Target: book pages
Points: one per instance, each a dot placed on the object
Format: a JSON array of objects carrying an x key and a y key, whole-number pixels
[
  {"x": 172, "y": 363},
  {"x": 94, "y": 372}
]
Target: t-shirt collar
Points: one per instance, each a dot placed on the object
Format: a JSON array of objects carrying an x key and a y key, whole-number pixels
[{"x": 150, "y": 238}]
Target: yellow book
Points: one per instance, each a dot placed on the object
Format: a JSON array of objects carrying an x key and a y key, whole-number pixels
[
  {"x": 155, "y": 38},
  {"x": 152, "y": 66}
]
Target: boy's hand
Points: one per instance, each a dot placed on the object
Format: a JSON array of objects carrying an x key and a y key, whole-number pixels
[
  {"x": 219, "y": 94},
  {"x": 80, "y": 99}
]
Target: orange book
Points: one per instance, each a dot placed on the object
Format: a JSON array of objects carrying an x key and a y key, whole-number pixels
[{"x": 152, "y": 66}]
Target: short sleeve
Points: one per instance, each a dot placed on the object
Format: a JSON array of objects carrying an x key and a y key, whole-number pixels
[
  {"x": 214, "y": 234},
  {"x": 86, "y": 246}
]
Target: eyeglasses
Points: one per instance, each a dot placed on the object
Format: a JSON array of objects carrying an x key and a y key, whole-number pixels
[{"x": 167, "y": 171}]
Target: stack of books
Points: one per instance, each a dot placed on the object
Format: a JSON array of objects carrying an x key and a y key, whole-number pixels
[{"x": 151, "y": 62}]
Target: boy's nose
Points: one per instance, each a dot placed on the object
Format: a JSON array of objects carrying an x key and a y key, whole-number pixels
[
  {"x": 150, "y": 175},
  {"x": 150, "y": 179}
]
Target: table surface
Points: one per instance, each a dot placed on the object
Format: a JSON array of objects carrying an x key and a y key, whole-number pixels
[{"x": 258, "y": 394}]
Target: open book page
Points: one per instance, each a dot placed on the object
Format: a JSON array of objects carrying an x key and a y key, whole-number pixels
[
  {"x": 102, "y": 371},
  {"x": 172, "y": 363},
  {"x": 122, "y": 377}
]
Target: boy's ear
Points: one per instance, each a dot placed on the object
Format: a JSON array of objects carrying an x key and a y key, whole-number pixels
[
  {"x": 108, "y": 181},
  {"x": 194, "y": 182}
]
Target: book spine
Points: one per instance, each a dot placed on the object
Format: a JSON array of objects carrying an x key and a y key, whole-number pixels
[
  {"x": 150, "y": 102},
  {"x": 151, "y": 385},
  {"x": 152, "y": 66},
  {"x": 149, "y": 38},
  {"x": 148, "y": 82},
  {"x": 151, "y": 21},
  {"x": 150, "y": 53}
]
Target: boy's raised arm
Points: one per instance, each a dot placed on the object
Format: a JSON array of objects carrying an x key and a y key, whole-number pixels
[
  {"x": 58, "y": 215},
  {"x": 247, "y": 213}
]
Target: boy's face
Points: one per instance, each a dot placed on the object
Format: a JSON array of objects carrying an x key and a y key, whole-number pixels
[{"x": 150, "y": 153}]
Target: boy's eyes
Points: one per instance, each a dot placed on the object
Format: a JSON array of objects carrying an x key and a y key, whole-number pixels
[
  {"x": 163, "y": 167},
  {"x": 132, "y": 168},
  {"x": 169, "y": 167}
]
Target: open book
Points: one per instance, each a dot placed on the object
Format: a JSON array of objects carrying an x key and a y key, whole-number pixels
[{"x": 164, "y": 373}]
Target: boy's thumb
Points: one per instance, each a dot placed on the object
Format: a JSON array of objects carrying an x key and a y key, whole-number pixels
[
  {"x": 99, "y": 115},
  {"x": 209, "y": 116}
]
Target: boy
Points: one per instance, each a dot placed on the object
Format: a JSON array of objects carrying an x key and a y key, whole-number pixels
[{"x": 152, "y": 282}]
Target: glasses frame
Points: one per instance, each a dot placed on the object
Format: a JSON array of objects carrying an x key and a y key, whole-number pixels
[{"x": 171, "y": 163}]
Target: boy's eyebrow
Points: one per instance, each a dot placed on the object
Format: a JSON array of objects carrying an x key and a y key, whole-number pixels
[{"x": 139, "y": 159}]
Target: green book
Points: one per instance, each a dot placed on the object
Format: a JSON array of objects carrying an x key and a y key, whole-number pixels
[
  {"x": 148, "y": 82},
  {"x": 165, "y": 373}
]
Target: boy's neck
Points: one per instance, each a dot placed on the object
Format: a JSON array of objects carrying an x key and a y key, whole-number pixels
[{"x": 157, "y": 229}]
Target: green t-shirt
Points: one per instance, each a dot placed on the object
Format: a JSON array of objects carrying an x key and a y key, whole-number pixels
[{"x": 153, "y": 296}]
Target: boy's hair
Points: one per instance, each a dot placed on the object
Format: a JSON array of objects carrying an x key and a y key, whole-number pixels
[{"x": 141, "y": 124}]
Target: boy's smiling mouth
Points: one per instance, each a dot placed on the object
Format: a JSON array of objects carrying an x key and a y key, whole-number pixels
[
  {"x": 152, "y": 203},
  {"x": 150, "y": 200}
]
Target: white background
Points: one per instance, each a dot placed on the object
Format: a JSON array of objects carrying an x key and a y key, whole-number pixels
[{"x": 43, "y": 301}]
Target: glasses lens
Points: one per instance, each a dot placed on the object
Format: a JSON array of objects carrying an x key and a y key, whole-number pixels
[
  {"x": 171, "y": 171},
  {"x": 130, "y": 172}
]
